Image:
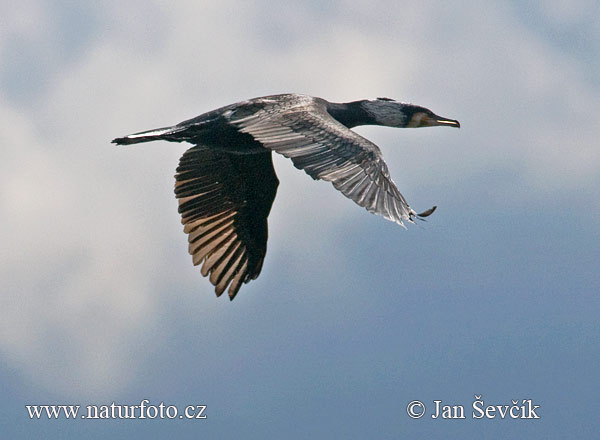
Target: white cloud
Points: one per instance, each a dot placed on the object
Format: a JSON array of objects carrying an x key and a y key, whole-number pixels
[
  {"x": 569, "y": 14},
  {"x": 23, "y": 20},
  {"x": 75, "y": 280}
]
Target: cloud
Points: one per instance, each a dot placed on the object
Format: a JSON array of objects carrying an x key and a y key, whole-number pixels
[
  {"x": 72, "y": 286},
  {"x": 88, "y": 225}
]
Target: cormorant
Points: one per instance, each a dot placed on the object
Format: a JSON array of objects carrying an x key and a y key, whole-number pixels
[{"x": 226, "y": 183}]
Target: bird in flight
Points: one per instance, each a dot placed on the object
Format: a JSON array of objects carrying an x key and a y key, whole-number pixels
[{"x": 226, "y": 184}]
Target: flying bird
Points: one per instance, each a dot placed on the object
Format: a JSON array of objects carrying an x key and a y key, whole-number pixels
[{"x": 226, "y": 183}]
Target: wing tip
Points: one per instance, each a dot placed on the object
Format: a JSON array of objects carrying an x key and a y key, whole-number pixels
[{"x": 428, "y": 212}]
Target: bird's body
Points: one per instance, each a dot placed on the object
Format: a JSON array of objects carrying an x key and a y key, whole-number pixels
[{"x": 226, "y": 183}]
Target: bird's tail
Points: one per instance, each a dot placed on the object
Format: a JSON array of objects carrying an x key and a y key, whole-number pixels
[{"x": 165, "y": 133}]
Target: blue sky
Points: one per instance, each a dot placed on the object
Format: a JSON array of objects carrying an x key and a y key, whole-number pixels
[{"x": 352, "y": 317}]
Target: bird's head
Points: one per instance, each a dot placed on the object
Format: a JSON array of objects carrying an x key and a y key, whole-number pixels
[{"x": 391, "y": 113}]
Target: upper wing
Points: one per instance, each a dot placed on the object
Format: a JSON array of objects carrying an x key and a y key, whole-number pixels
[
  {"x": 328, "y": 150},
  {"x": 224, "y": 201}
]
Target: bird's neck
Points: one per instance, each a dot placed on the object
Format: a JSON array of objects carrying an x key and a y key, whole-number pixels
[{"x": 350, "y": 114}]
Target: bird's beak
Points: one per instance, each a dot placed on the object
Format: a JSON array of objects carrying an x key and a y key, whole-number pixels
[
  {"x": 425, "y": 120},
  {"x": 432, "y": 121}
]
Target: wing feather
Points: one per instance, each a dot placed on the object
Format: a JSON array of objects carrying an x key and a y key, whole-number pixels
[
  {"x": 325, "y": 149},
  {"x": 224, "y": 201}
]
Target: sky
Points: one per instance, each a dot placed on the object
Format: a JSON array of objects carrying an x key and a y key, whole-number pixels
[{"x": 353, "y": 317}]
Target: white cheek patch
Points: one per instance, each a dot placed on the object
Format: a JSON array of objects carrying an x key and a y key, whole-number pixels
[{"x": 415, "y": 121}]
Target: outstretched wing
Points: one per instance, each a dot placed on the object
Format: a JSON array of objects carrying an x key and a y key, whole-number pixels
[
  {"x": 224, "y": 201},
  {"x": 320, "y": 145}
]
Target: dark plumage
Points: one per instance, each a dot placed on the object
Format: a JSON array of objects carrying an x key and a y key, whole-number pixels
[{"x": 226, "y": 183}]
